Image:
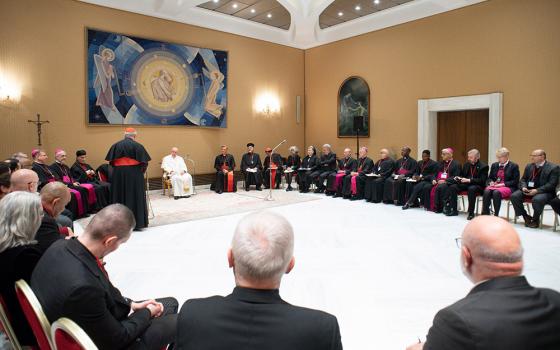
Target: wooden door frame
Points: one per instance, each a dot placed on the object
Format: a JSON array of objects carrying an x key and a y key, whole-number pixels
[{"x": 427, "y": 119}]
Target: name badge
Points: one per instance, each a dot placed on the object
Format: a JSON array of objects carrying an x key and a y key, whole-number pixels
[
  {"x": 531, "y": 184},
  {"x": 396, "y": 177},
  {"x": 443, "y": 176},
  {"x": 378, "y": 168}
]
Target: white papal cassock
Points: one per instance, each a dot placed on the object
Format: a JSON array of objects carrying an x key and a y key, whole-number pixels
[{"x": 181, "y": 180}]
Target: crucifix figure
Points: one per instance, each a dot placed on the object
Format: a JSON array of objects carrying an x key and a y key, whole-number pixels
[{"x": 39, "y": 124}]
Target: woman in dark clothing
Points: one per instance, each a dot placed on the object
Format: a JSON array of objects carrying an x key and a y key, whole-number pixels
[{"x": 20, "y": 217}]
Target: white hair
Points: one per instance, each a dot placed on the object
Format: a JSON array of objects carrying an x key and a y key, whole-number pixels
[
  {"x": 130, "y": 134},
  {"x": 502, "y": 152},
  {"x": 262, "y": 246},
  {"x": 20, "y": 218},
  {"x": 294, "y": 149},
  {"x": 475, "y": 152},
  {"x": 326, "y": 145}
]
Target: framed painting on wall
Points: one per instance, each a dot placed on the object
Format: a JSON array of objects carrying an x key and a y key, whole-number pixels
[
  {"x": 353, "y": 108},
  {"x": 137, "y": 81}
]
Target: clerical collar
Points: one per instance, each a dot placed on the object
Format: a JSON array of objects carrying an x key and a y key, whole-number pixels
[
  {"x": 541, "y": 164},
  {"x": 506, "y": 163}
]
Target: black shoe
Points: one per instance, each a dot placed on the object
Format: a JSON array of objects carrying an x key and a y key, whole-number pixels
[
  {"x": 318, "y": 190},
  {"x": 336, "y": 195},
  {"x": 534, "y": 224},
  {"x": 259, "y": 188},
  {"x": 452, "y": 213},
  {"x": 446, "y": 210},
  {"x": 289, "y": 189},
  {"x": 247, "y": 189},
  {"x": 528, "y": 220},
  {"x": 470, "y": 217},
  {"x": 186, "y": 196},
  {"x": 328, "y": 193},
  {"x": 406, "y": 206},
  {"x": 175, "y": 197},
  {"x": 220, "y": 192}
]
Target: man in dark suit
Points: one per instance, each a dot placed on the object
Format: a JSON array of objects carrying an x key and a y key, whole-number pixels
[
  {"x": 538, "y": 183},
  {"x": 472, "y": 179},
  {"x": 251, "y": 167},
  {"x": 502, "y": 311},
  {"x": 70, "y": 281},
  {"x": 382, "y": 170},
  {"x": 326, "y": 166},
  {"x": 254, "y": 316},
  {"x": 54, "y": 197}
]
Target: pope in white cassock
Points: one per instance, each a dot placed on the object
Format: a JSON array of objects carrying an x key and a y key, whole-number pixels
[{"x": 175, "y": 167}]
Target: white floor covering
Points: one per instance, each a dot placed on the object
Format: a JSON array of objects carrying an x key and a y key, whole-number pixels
[{"x": 382, "y": 271}]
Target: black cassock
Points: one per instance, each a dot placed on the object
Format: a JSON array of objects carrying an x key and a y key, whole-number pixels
[
  {"x": 45, "y": 176},
  {"x": 293, "y": 162},
  {"x": 424, "y": 174},
  {"x": 251, "y": 160},
  {"x": 395, "y": 188},
  {"x": 304, "y": 174},
  {"x": 130, "y": 160},
  {"x": 276, "y": 159},
  {"x": 102, "y": 189},
  {"x": 223, "y": 162},
  {"x": 374, "y": 185},
  {"x": 364, "y": 166},
  {"x": 434, "y": 202},
  {"x": 347, "y": 165},
  {"x": 62, "y": 173}
]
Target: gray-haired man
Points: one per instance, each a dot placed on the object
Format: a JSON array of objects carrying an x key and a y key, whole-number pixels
[{"x": 254, "y": 316}]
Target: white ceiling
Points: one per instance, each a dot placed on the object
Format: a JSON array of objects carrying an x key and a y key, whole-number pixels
[{"x": 304, "y": 31}]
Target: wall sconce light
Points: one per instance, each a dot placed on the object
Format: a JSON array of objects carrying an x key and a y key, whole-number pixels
[
  {"x": 268, "y": 104},
  {"x": 10, "y": 92}
]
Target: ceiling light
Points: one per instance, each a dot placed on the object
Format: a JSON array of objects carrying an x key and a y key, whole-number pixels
[
  {"x": 215, "y": 1},
  {"x": 269, "y": 15},
  {"x": 234, "y": 6},
  {"x": 357, "y": 8},
  {"x": 376, "y": 2},
  {"x": 340, "y": 14},
  {"x": 252, "y": 10}
]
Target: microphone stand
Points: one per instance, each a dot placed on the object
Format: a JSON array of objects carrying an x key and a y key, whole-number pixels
[{"x": 269, "y": 197}]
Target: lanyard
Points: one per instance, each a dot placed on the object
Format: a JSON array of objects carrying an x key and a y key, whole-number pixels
[
  {"x": 473, "y": 170},
  {"x": 424, "y": 165},
  {"x": 403, "y": 164},
  {"x": 536, "y": 172},
  {"x": 446, "y": 168}
]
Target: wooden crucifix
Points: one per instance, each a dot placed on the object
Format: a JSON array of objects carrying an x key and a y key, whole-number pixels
[{"x": 39, "y": 124}]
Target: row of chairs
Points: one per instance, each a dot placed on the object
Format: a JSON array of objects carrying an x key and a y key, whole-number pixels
[
  {"x": 527, "y": 202},
  {"x": 64, "y": 334}
]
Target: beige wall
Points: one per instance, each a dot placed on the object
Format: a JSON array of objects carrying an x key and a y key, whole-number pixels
[
  {"x": 509, "y": 46},
  {"x": 42, "y": 45}
]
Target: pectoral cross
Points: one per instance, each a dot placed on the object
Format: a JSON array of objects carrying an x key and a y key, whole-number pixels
[{"x": 39, "y": 124}]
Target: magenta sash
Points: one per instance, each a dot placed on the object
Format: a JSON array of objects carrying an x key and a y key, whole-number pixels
[
  {"x": 353, "y": 187},
  {"x": 504, "y": 191},
  {"x": 92, "y": 198},
  {"x": 66, "y": 179},
  {"x": 402, "y": 171},
  {"x": 338, "y": 181},
  {"x": 433, "y": 193},
  {"x": 79, "y": 200}
]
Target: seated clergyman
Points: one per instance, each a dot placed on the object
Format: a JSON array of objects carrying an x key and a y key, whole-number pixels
[
  {"x": 502, "y": 310},
  {"x": 254, "y": 316},
  {"x": 176, "y": 169},
  {"x": 251, "y": 167}
]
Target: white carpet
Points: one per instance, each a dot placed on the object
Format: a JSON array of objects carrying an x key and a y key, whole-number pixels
[{"x": 382, "y": 271}]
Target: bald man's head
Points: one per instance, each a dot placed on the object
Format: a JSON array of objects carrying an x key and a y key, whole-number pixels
[
  {"x": 24, "y": 180},
  {"x": 490, "y": 248},
  {"x": 54, "y": 197}
]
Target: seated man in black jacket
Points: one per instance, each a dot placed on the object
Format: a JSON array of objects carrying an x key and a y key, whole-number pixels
[
  {"x": 54, "y": 197},
  {"x": 83, "y": 292},
  {"x": 538, "y": 184},
  {"x": 254, "y": 316},
  {"x": 472, "y": 179},
  {"x": 502, "y": 311}
]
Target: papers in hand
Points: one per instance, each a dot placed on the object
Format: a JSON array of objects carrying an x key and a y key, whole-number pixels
[
  {"x": 373, "y": 175},
  {"x": 288, "y": 170},
  {"x": 304, "y": 169},
  {"x": 411, "y": 180},
  {"x": 251, "y": 170}
]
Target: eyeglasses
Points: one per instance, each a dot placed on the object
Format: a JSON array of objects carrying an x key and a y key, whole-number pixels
[{"x": 459, "y": 242}]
